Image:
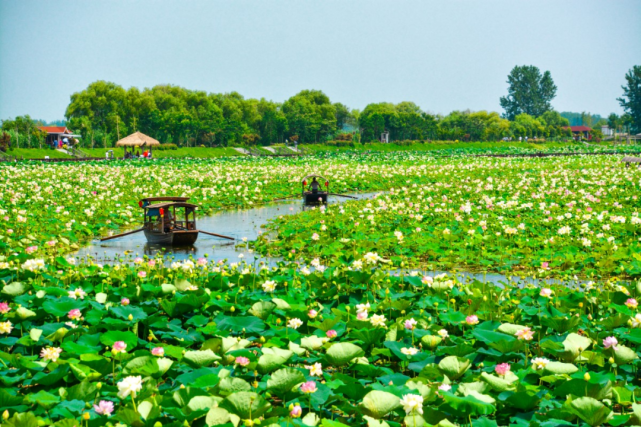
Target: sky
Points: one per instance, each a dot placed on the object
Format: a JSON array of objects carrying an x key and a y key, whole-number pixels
[{"x": 443, "y": 55}]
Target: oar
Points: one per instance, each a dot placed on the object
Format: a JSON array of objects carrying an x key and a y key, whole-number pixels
[
  {"x": 216, "y": 235},
  {"x": 285, "y": 198},
  {"x": 342, "y": 195},
  {"x": 120, "y": 235}
]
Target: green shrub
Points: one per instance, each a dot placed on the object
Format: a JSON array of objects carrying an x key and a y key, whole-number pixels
[{"x": 163, "y": 147}]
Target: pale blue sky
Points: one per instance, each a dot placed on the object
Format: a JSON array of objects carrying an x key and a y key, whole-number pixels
[{"x": 443, "y": 55}]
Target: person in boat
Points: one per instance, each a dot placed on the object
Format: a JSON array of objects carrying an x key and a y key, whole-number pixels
[
  {"x": 314, "y": 185},
  {"x": 169, "y": 223}
]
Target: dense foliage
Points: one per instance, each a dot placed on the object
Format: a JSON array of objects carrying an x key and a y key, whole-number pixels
[{"x": 347, "y": 329}]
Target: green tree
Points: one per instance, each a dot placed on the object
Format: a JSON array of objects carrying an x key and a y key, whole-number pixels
[
  {"x": 529, "y": 92},
  {"x": 310, "y": 115},
  {"x": 631, "y": 99}
]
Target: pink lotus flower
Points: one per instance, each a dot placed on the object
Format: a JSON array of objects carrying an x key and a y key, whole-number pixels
[
  {"x": 151, "y": 263},
  {"x": 331, "y": 333},
  {"x": 51, "y": 243},
  {"x": 610, "y": 342},
  {"x": 546, "y": 292},
  {"x": 242, "y": 361},
  {"x": 472, "y": 320},
  {"x": 631, "y": 303},
  {"x": 4, "y": 308},
  {"x": 309, "y": 387},
  {"x": 545, "y": 265},
  {"x": 74, "y": 314},
  {"x": 124, "y": 301},
  {"x": 31, "y": 249},
  {"x": 295, "y": 411},
  {"x": 201, "y": 262},
  {"x": 142, "y": 274},
  {"x": 119, "y": 347},
  {"x": 138, "y": 261},
  {"x": 312, "y": 314},
  {"x": 362, "y": 315},
  {"x": 158, "y": 351},
  {"x": 105, "y": 407},
  {"x": 525, "y": 334},
  {"x": 410, "y": 324},
  {"x": 502, "y": 368}
]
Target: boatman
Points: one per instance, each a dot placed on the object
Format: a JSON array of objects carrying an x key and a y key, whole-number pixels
[{"x": 314, "y": 186}]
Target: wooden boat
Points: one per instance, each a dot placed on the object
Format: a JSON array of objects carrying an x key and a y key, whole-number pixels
[
  {"x": 169, "y": 221},
  {"x": 313, "y": 197}
]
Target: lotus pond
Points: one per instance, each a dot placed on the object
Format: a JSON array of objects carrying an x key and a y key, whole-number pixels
[{"x": 353, "y": 328}]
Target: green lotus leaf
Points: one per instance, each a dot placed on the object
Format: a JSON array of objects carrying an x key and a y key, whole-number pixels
[
  {"x": 378, "y": 404},
  {"x": 109, "y": 338},
  {"x": 262, "y": 309},
  {"x": 230, "y": 385},
  {"x": 246, "y": 404},
  {"x": 218, "y": 416},
  {"x": 373, "y": 422},
  {"x": 14, "y": 289},
  {"x": 60, "y": 308},
  {"x": 311, "y": 419},
  {"x": 560, "y": 368},
  {"x": 200, "y": 358},
  {"x": 624, "y": 355},
  {"x": 590, "y": 410},
  {"x": 342, "y": 353},
  {"x": 272, "y": 359},
  {"x": 574, "y": 344},
  {"x": 283, "y": 380},
  {"x": 454, "y": 367},
  {"x": 468, "y": 405}
]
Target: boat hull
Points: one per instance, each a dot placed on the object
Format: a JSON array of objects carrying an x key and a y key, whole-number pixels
[
  {"x": 173, "y": 238},
  {"x": 311, "y": 199}
]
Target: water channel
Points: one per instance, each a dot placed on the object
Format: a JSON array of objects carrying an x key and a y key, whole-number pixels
[{"x": 247, "y": 223}]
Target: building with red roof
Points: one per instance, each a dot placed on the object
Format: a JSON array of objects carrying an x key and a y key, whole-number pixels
[
  {"x": 57, "y": 133},
  {"x": 581, "y": 132}
]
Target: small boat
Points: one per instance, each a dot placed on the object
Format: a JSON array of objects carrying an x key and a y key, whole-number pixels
[
  {"x": 169, "y": 221},
  {"x": 312, "y": 191}
]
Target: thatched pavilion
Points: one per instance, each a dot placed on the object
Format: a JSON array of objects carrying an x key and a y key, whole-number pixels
[{"x": 137, "y": 140}]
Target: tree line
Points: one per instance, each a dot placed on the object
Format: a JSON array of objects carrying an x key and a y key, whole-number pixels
[{"x": 105, "y": 112}]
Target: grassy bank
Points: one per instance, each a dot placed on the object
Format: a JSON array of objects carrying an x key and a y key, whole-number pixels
[{"x": 37, "y": 153}]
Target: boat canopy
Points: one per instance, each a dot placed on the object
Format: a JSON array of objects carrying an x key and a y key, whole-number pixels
[
  {"x": 169, "y": 204},
  {"x": 319, "y": 178}
]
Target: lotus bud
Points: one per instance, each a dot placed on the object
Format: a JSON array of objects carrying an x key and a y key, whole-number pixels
[
  {"x": 186, "y": 423},
  {"x": 481, "y": 365},
  {"x": 5, "y": 415},
  {"x": 581, "y": 304},
  {"x": 611, "y": 360},
  {"x": 218, "y": 297},
  {"x": 86, "y": 416},
  {"x": 248, "y": 423},
  {"x": 403, "y": 312},
  {"x": 348, "y": 308},
  {"x": 182, "y": 386},
  {"x": 586, "y": 376},
  {"x": 232, "y": 309},
  {"x": 436, "y": 304},
  {"x": 99, "y": 386},
  {"x": 484, "y": 297},
  {"x": 130, "y": 317},
  {"x": 262, "y": 339},
  {"x": 157, "y": 424},
  {"x": 453, "y": 301}
]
